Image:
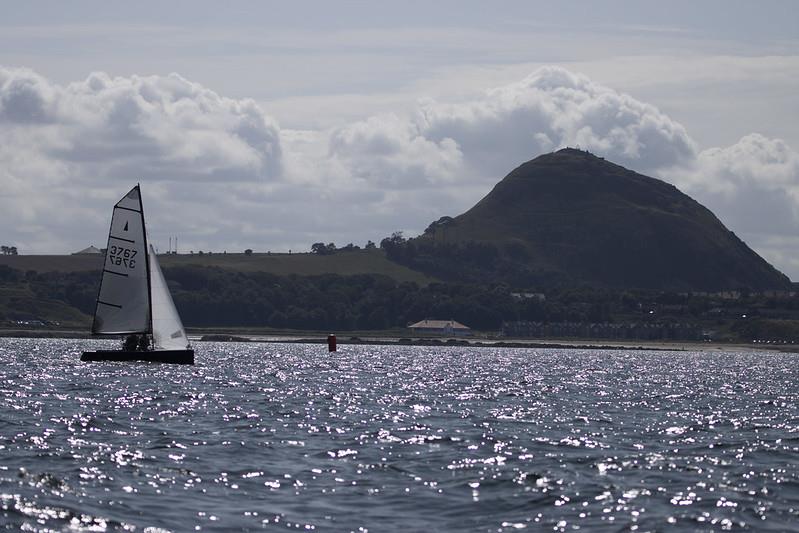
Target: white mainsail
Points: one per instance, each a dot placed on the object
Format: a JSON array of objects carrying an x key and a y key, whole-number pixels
[
  {"x": 123, "y": 304},
  {"x": 168, "y": 332}
]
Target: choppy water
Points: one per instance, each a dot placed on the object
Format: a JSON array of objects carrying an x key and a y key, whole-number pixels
[{"x": 288, "y": 437}]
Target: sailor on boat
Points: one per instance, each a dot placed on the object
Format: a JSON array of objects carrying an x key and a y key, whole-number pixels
[{"x": 136, "y": 343}]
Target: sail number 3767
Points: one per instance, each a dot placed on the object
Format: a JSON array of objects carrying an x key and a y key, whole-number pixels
[{"x": 122, "y": 256}]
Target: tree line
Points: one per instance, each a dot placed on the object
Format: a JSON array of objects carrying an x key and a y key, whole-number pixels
[
  {"x": 212, "y": 296},
  {"x": 321, "y": 248},
  {"x": 215, "y": 297}
]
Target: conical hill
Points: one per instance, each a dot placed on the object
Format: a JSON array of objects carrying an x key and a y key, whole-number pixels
[{"x": 570, "y": 217}]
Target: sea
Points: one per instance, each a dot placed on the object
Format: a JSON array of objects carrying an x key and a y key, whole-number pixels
[{"x": 290, "y": 437}]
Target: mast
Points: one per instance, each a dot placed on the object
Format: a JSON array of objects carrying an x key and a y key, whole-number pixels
[{"x": 147, "y": 265}]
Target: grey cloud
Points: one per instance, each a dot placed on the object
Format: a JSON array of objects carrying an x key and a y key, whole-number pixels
[
  {"x": 25, "y": 97},
  {"x": 753, "y": 185},
  {"x": 165, "y": 127},
  {"x": 551, "y": 108},
  {"x": 393, "y": 152}
]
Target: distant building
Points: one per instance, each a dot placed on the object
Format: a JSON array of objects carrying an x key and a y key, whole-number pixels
[
  {"x": 91, "y": 250},
  {"x": 529, "y": 296},
  {"x": 444, "y": 327}
]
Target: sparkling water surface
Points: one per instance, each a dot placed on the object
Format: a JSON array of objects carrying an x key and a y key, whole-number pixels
[{"x": 287, "y": 437}]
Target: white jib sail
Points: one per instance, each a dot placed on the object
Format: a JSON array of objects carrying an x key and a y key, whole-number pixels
[
  {"x": 123, "y": 304},
  {"x": 168, "y": 332}
]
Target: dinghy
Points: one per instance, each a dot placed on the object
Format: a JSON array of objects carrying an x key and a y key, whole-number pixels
[{"x": 134, "y": 299}]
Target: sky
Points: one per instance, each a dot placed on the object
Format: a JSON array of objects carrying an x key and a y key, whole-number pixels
[{"x": 275, "y": 125}]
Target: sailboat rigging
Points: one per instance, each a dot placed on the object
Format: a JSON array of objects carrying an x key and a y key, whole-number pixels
[{"x": 134, "y": 298}]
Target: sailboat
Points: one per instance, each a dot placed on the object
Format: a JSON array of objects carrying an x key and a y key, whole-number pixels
[{"x": 134, "y": 298}]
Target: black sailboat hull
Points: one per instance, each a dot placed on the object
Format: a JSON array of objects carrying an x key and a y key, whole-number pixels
[{"x": 178, "y": 357}]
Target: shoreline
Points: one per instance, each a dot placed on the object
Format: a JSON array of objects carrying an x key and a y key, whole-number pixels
[{"x": 475, "y": 342}]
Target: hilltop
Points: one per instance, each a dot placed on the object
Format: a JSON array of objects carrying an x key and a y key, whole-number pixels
[{"x": 572, "y": 218}]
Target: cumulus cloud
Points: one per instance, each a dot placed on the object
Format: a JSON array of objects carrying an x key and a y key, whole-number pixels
[
  {"x": 753, "y": 187},
  {"x": 394, "y": 152},
  {"x": 755, "y": 160},
  {"x": 159, "y": 127},
  {"x": 488, "y": 136}
]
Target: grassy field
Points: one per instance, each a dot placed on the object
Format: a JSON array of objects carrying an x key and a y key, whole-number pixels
[{"x": 306, "y": 264}]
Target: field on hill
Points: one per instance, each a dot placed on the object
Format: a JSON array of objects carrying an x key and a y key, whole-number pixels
[{"x": 305, "y": 264}]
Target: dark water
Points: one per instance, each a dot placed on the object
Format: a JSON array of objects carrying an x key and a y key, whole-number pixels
[{"x": 288, "y": 438}]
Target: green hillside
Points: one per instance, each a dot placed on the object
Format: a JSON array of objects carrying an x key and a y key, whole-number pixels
[
  {"x": 305, "y": 264},
  {"x": 571, "y": 218},
  {"x": 19, "y": 303}
]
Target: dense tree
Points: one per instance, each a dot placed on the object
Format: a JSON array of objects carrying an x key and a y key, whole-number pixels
[
  {"x": 321, "y": 248},
  {"x": 397, "y": 239}
]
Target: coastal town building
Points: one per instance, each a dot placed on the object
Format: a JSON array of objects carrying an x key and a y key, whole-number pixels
[
  {"x": 91, "y": 250},
  {"x": 442, "y": 327}
]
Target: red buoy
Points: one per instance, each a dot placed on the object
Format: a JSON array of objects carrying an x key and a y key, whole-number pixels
[{"x": 331, "y": 343}]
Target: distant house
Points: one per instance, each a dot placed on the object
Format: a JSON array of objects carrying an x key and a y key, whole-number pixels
[
  {"x": 540, "y": 296},
  {"x": 91, "y": 250},
  {"x": 444, "y": 327}
]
